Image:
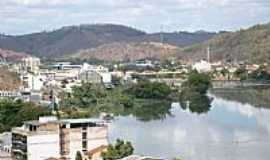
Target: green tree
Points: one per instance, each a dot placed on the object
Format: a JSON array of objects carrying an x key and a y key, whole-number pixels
[
  {"x": 260, "y": 74},
  {"x": 197, "y": 82},
  {"x": 86, "y": 95},
  {"x": 120, "y": 150},
  {"x": 225, "y": 72},
  {"x": 241, "y": 73},
  {"x": 78, "y": 156},
  {"x": 14, "y": 113},
  {"x": 146, "y": 89}
]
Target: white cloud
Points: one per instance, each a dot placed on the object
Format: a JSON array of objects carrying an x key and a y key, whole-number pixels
[{"x": 144, "y": 14}]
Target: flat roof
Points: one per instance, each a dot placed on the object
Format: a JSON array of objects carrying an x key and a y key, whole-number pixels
[{"x": 65, "y": 121}]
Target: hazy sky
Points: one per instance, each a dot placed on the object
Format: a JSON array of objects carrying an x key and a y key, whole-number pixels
[{"x": 25, "y": 16}]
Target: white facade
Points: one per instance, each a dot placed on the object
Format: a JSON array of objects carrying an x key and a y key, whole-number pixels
[
  {"x": 106, "y": 77},
  {"x": 32, "y": 82},
  {"x": 30, "y": 64},
  {"x": 42, "y": 147},
  {"x": 43, "y": 139},
  {"x": 202, "y": 66},
  {"x": 98, "y": 69}
]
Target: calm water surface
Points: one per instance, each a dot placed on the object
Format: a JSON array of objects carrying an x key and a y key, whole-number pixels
[{"x": 229, "y": 131}]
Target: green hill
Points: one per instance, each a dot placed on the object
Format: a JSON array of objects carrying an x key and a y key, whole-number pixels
[{"x": 251, "y": 45}]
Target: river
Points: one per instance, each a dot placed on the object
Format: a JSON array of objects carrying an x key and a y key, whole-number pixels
[{"x": 232, "y": 129}]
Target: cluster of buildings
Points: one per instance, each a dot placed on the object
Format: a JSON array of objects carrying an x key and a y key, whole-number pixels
[
  {"x": 62, "y": 76},
  {"x": 51, "y": 138},
  {"x": 38, "y": 79}
]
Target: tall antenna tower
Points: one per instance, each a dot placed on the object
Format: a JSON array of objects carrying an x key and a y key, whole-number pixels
[
  {"x": 161, "y": 34},
  {"x": 208, "y": 54}
]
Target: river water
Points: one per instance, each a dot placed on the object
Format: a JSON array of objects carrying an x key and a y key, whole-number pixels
[{"x": 230, "y": 130}]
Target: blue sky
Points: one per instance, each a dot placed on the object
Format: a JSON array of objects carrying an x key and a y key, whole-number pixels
[{"x": 26, "y": 16}]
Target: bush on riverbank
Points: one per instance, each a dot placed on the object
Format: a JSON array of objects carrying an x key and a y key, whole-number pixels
[
  {"x": 149, "y": 90},
  {"x": 197, "y": 82}
]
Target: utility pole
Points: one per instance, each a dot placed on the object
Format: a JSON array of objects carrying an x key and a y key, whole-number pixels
[
  {"x": 161, "y": 34},
  {"x": 208, "y": 54}
]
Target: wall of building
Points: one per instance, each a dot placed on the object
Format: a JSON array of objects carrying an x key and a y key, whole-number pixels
[
  {"x": 41, "y": 147},
  {"x": 75, "y": 142},
  {"x": 97, "y": 136}
]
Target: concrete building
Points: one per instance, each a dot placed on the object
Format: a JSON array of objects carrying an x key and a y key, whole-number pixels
[
  {"x": 31, "y": 81},
  {"x": 51, "y": 138},
  {"x": 202, "y": 66},
  {"x": 30, "y": 64},
  {"x": 5, "y": 146},
  {"x": 9, "y": 94},
  {"x": 90, "y": 77},
  {"x": 98, "y": 69}
]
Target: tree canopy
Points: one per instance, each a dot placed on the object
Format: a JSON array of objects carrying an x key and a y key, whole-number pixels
[
  {"x": 149, "y": 90},
  {"x": 14, "y": 113},
  {"x": 118, "y": 151},
  {"x": 197, "y": 82}
]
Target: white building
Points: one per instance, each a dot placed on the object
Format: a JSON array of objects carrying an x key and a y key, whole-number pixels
[
  {"x": 12, "y": 94},
  {"x": 106, "y": 78},
  {"x": 30, "y": 64},
  {"x": 98, "y": 69},
  {"x": 52, "y": 138},
  {"x": 32, "y": 82},
  {"x": 202, "y": 66}
]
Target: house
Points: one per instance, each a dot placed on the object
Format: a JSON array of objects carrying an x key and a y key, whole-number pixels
[
  {"x": 51, "y": 138},
  {"x": 202, "y": 66},
  {"x": 90, "y": 77},
  {"x": 31, "y": 81},
  {"x": 30, "y": 64},
  {"x": 5, "y": 145}
]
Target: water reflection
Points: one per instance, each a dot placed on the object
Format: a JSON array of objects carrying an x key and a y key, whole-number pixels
[
  {"x": 160, "y": 110},
  {"x": 256, "y": 96},
  {"x": 230, "y": 130},
  {"x": 197, "y": 103},
  {"x": 150, "y": 111}
]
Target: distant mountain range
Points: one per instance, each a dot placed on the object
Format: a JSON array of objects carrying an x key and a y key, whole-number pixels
[
  {"x": 69, "y": 40},
  {"x": 119, "y": 43}
]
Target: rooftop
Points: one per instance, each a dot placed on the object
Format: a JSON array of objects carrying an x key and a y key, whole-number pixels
[{"x": 53, "y": 119}]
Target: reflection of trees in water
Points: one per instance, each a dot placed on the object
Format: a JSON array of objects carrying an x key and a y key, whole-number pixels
[
  {"x": 154, "y": 110},
  {"x": 257, "y": 97},
  {"x": 143, "y": 110},
  {"x": 195, "y": 102}
]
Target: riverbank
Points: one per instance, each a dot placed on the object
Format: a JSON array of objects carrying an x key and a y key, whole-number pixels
[{"x": 237, "y": 83}]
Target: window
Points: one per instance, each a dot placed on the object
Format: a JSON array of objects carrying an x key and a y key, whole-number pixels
[
  {"x": 84, "y": 145},
  {"x": 84, "y": 135}
]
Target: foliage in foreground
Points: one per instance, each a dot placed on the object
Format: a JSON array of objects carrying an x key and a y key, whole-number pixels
[
  {"x": 14, "y": 113},
  {"x": 118, "y": 151}
]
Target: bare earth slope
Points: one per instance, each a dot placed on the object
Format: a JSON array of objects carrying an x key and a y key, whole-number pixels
[{"x": 129, "y": 51}]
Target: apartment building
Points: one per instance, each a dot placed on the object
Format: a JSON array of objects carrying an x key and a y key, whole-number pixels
[
  {"x": 30, "y": 64},
  {"x": 51, "y": 138}
]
